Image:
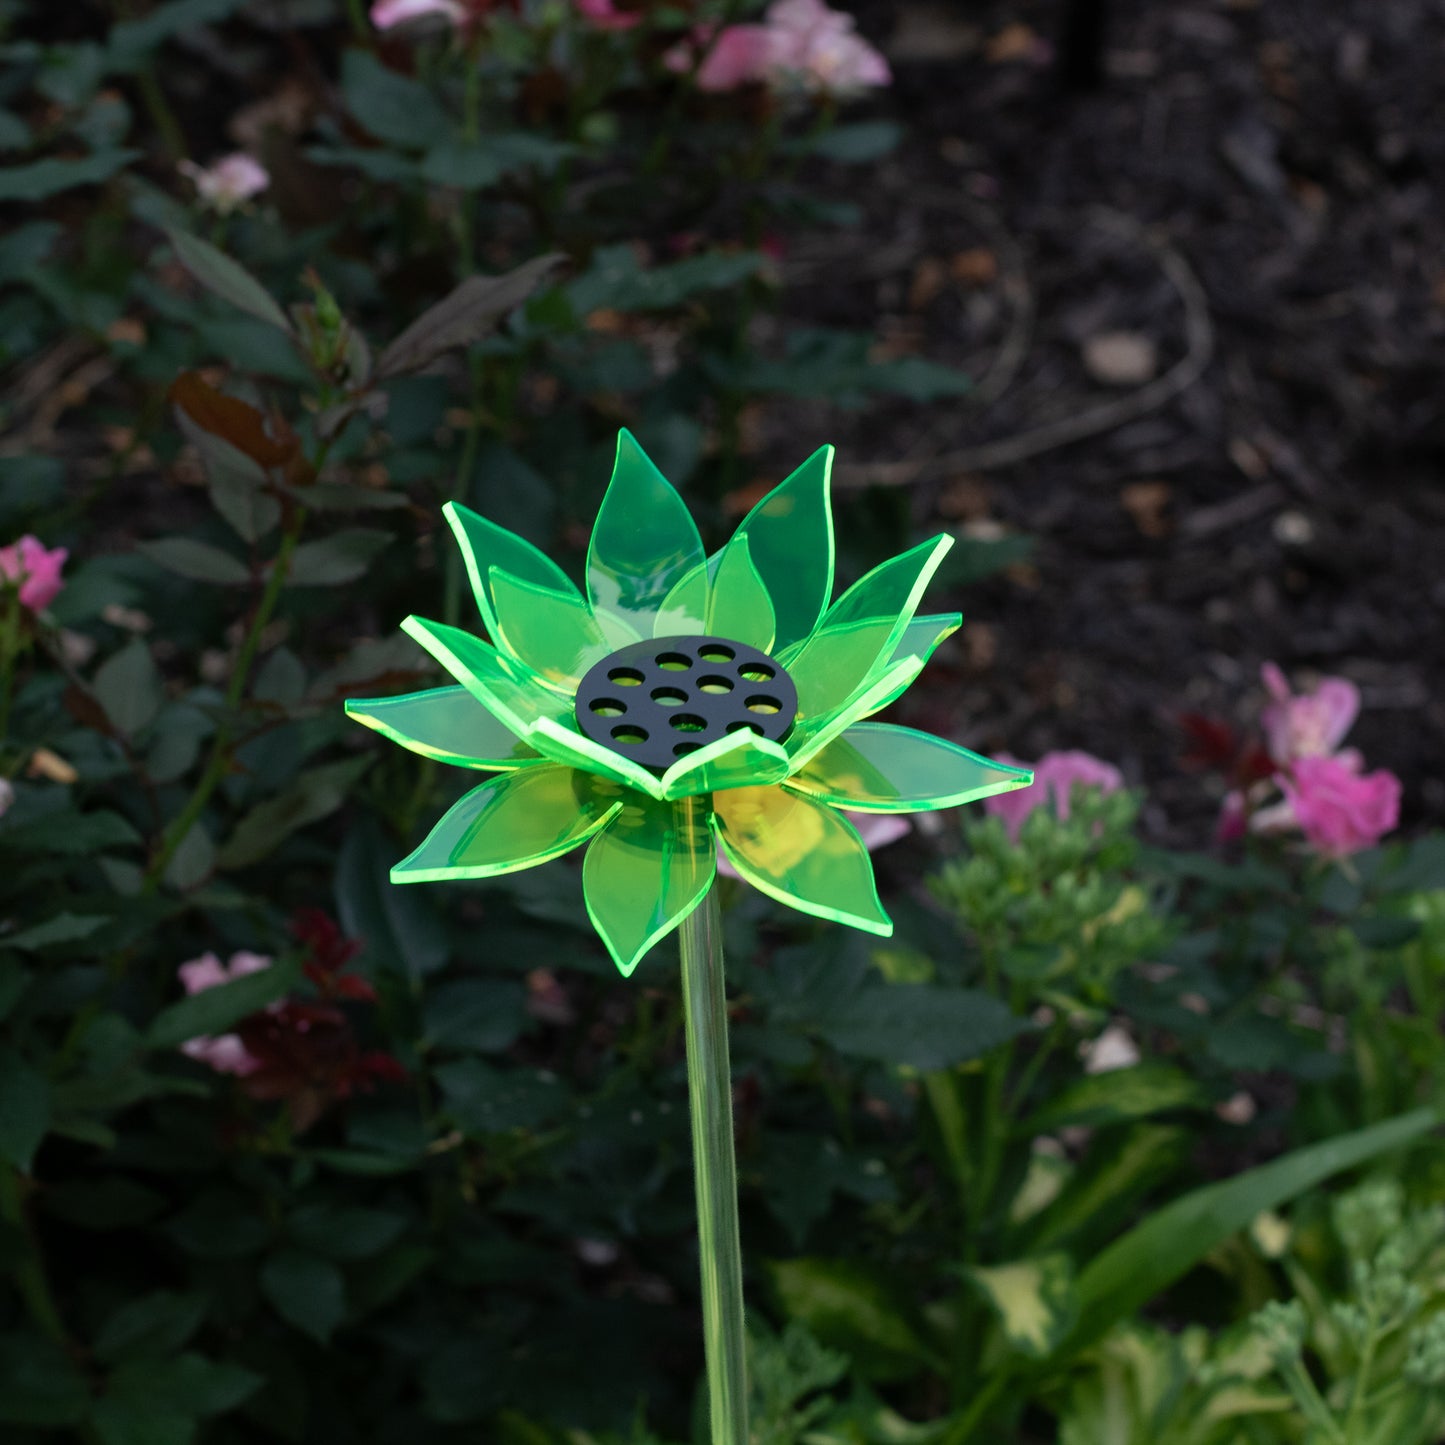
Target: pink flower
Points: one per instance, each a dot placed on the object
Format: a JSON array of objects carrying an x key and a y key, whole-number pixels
[
  {"x": 229, "y": 183},
  {"x": 387, "y": 13},
  {"x": 604, "y": 15},
  {"x": 225, "y": 1053},
  {"x": 1055, "y": 776},
  {"x": 1311, "y": 725},
  {"x": 36, "y": 570},
  {"x": 1340, "y": 809},
  {"x": 877, "y": 830}
]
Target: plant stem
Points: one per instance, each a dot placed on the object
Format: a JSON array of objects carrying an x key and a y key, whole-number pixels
[
  {"x": 29, "y": 1271},
  {"x": 709, "y": 1088}
]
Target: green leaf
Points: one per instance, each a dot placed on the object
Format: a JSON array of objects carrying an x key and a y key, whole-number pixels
[
  {"x": 616, "y": 280},
  {"x": 63, "y": 928},
  {"x": 157, "y": 1324},
  {"x": 856, "y": 1308},
  {"x": 1033, "y": 1299},
  {"x": 230, "y": 281},
  {"x": 139, "y": 1422},
  {"x": 132, "y": 40},
  {"x": 482, "y": 1014},
  {"x": 388, "y": 105},
  {"x": 220, "y": 1223},
  {"x": 39, "y": 179},
  {"x": 401, "y": 928},
  {"x": 198, "y": 561},
  {"x": 1172, "y": 1240},
  {"x": 25, "y": 247},
  {"x": 1119, "y": 1094},
  {"x": 345, "y": 1231},
  {"x": 923, "y": 1025},
  {"x": 474, "y": 165},
  {"x": 24, "y": 1110},
  {"x": 337, "y": 559},
  {"x": 39, "y": 1383},
  {"x": 214, "y": 1010},
  {"x": 315, "y": 794},
  {"x": 129, "y": 687},
  {"x": 69, "y": 833},
  {"x": 184, "y": 1385},
  {"x": 102, "y": 1202},
  {"x": 193, "y": 861},
  {"x": 306, "y": 1291},
  {"x": 484, "y": 1100},
  {"x": 868, "y": 140}
]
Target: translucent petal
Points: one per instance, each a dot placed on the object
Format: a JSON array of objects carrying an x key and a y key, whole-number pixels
[
  {"x": 485, "y": 546},
  {"x": 863, "y": 628},
  {"x": 742, "y": 760},
  {"x": 446, "y": 723},
  {"x": 508, "y": 690},
  {"x": 684, "y": 609},
  {"x": 879, "y": 768},
  {"x": 923, "y": 635},
  {"x": 562, "y": 742},
  {"x": 739, "y": 607},
  {"x": 790, "y": 536},
  {"x": 810, "y": 736},
  {"x": 645, "y": 872},
  {"x": 643, "y": 543},
  {"x": 515, "y": 821},
  {"x": 552, "y": 633},
  {"x": 802, "y": 853}
]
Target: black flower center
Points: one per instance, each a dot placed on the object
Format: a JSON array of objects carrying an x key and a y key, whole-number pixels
[{"x": 657, "y": 701}]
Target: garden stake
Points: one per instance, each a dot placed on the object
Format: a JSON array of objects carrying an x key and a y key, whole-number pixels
[{"x": 683, "y": 703}]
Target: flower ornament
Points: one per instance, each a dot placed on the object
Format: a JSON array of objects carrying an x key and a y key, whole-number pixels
[{"x": 680, "y": 704}]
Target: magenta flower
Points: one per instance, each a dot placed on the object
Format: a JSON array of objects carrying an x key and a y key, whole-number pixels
[
  {"x": 1055, "y": 776},
  {"x": 604, "y": 15},
  {"x": 1340, "y": 809},
  {"x": 225, "y": 1053},
  {"x": 388, "y": 13},
  {"x": 230, "y": 182},
  {"x": 877, "y": 830},
  {"x": 1309, "y": 725},
  {"x": 35, "y": 570}
]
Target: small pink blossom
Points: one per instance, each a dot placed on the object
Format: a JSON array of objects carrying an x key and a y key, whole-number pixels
[
  {"x": 1309, "y": 725},
  {"x": 225, "y": 1053},
  {"x": 388, "y": 13},
  {"x": 1340, "y": 809},
  {"x": 1055, "y": 775},
  {"x": 229, "y": 182},
  {"x": 877, "y": 830},
  {"x": 36, "y": 570},
  {"x": 604, "y": 15}
]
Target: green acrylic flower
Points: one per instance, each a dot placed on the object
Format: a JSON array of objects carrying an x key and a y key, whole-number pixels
[{"x": 666, "y": 644}]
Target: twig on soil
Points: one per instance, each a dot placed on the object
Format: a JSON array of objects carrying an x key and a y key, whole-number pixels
[{"x": 1005, "y": 451}]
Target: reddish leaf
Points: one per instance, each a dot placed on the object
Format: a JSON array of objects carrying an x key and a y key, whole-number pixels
[{"x": 235, "y": 422}]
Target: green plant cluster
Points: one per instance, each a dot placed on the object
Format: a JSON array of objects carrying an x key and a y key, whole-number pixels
[{"x": 444, "y": 1190}]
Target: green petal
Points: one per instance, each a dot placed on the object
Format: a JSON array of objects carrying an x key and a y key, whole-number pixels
[
  {"x": 742, "y": 760},
  {"x": 515, "y": 821},
  {"x": 863, "y": 629},
  {"x": 812, "y": 735},
  {"x": 684, "y": 610},
  {"x": 644, "y": 873},
  {"x": 446, "y": 723},
  {"x": 879, "y": 768},
  {"x": 485, "y": 546},
  {"x": 552, "y": 633},
  {"x": 790, "y": 537},
  {"x": 739, "y": 607},
  {"x": 643, "y": 543},
  {"x": 922, "y": 636},
  {"x": 509, "y": 690},
  {"x": 801, "y": 853},
  {"x": 562, "y": 742}
]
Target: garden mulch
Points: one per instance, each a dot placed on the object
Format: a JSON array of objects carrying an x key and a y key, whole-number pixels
[{"x": 1205, "y": 302}]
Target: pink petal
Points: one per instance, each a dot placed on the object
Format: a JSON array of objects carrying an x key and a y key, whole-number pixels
[
  {"x": 604, "y": 15},
  {"x": 387, "y": 13},
  {"x": 202, "y": 973},
  {"x": 226, "y": 1054},
  {"x": 739, "y": 56}
]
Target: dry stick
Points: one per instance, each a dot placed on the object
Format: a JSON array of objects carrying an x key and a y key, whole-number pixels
[{"x": 1199, "y": 343}]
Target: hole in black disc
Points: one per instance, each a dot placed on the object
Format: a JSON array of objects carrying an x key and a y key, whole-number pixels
[
  {"x": 630, "y": 734},
  {"x": 713, "y": 685},
  {"x": 688, "y": 722},
  {"x": 756, "y": 672},
  {"x": 669, "y": 696},
  {"x": 625, "y": 677},
  {"x": 745, "y": 727},
  {"x": 673, "y": 661},
  {"x": 764, "y": 704},
  {"x": 608, "y": 707},
  {"x": 683, "y": 749},
  {"x": 716, "y": 652}
]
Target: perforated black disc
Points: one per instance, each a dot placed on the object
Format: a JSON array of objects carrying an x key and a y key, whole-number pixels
[{"x": 659, "y": 700}]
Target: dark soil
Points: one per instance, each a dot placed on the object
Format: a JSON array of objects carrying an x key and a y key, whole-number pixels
[{"x": 1273, "y": 164}]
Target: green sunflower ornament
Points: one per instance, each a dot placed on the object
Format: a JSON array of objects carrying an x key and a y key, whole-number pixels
[{"x": 683, "y": 702}]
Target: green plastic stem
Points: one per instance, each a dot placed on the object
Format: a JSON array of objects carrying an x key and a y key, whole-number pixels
[{"x": 709, "y": 1085}]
